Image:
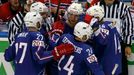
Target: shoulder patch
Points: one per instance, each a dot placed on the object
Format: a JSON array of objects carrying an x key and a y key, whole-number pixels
[
  {"x": 92, "y": 59},
  {"x": 38, "y": 43}
]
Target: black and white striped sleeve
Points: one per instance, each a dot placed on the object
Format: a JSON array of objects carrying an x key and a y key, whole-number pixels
[
  {"x": 15, "y": 26},
  {"x": 128, "y": 24}
]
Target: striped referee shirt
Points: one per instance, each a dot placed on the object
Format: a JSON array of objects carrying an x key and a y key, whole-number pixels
[
  {"x": 119, "y": 13},
  {"x": 15, "y": 26}
]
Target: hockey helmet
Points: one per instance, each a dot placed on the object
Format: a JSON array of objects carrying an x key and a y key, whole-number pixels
[
  {"x": 38, "y": 7},
  {"x": 31, "y": 19},
  {"x": 75, "y": 8},
  {"x": 83, "y": 31},
  {"x": 96, "y": 11}
]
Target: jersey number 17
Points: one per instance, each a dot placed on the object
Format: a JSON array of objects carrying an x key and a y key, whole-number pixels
[{"x": 21, "y": 46}]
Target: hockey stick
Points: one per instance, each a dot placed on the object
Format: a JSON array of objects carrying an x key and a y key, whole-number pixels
[
  {"x": 57, "y": 11},
  {"x": 114, "y": 69},
  {"x": 50, "y": 11}
]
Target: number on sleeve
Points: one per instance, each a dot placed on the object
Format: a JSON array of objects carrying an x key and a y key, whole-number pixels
[{"x": 39, "y": 37}]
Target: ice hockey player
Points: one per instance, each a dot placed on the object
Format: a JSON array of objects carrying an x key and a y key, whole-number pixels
[
  {"x": 28, "y": 51},
  {"x": 106, "y": 41},
  {"x": 83, "y": 59}
]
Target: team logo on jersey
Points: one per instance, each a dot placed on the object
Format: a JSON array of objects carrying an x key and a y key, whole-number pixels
[
  {"x": 38, "y": 43},
  {"x": 92, "y": 59}
]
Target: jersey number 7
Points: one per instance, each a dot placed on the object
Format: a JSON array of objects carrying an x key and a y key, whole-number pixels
[{"x": 21, "y": 46}]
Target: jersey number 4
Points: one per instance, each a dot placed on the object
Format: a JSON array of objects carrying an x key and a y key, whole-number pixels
[
  {"x": 23, "y": 47},
  {"x": 68, "y": 66}
]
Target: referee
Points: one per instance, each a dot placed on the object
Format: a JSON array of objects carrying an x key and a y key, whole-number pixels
[
  {"x": 119, "y": 13},
  {"x": 16, "y": 24}
]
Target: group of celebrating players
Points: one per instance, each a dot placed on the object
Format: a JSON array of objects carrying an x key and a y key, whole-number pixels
[{"x": 74, "y": 46}]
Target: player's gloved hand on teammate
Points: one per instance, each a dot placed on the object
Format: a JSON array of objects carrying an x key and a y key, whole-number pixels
[
  {"x": 62, "y": 49},
  {"x": 57, "y": 31}
]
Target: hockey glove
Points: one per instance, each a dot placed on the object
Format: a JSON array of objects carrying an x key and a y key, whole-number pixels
[
  {"x": 58, "y": 27},
  {"x": 62, "y": 49}
]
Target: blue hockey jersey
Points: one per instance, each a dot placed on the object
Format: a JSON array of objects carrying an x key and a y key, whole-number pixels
[
  {"x": 81, "y": 61},
  {"x": 28, "y": 53},
  {"x": 55, "y": 37},
  {"x": 107, "y": 48},
  {"x": 52, "y": 66}
]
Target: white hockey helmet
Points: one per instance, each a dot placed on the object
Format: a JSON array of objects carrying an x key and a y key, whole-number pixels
[
  {"x": 75, "y": 8},
  {"x": 83, "y": 31},
  {"x": 31, "y": 19},
  {"x": 38, "y": 7},
  {"x": 96, "y": 11}
]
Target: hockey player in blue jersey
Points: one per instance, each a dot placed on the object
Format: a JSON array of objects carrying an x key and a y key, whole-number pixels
[
  {"x": 106, "y": 41},
  {"x": 64, "y": 26},
  {"x": 44, "y": 12},
  {"x": 67, "y": 26},
  {"x": 83, "y": 59},
  {"x": 28, "y": 51}
]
